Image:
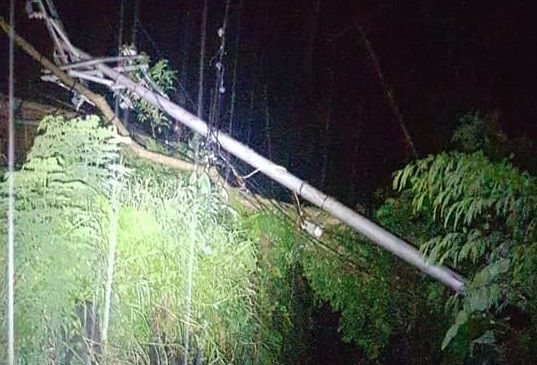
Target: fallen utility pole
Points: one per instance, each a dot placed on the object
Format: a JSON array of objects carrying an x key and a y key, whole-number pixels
[{"x": 374, "y": 232}]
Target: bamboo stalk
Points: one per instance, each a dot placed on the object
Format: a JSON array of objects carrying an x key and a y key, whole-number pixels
[
  {"x": 202, "y": 59},
  {"x": 111, "y": 259},
  {"x": 10, "y": 262}
]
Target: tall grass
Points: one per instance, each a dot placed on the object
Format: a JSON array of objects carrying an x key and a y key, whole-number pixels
[
  {"x": 65, "y": 293},
  {"x": 160, "y": 217}
]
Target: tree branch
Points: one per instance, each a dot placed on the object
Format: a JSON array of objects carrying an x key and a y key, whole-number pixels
[{"x": 99, "y": 101}]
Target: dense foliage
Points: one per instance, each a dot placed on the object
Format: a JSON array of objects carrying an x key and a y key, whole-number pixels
[
  {"x": 234, "y": 309},
  {"x": 484, "y": 212},
  {"x": 471, "y": 209},
  {"x": 58, "y": 237},
  {"x": 240, "y": 287}
]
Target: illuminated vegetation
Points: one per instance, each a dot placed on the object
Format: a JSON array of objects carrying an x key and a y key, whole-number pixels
[
  {"x": 255, "y": 278},
  {"x": 63, "y": 197}
]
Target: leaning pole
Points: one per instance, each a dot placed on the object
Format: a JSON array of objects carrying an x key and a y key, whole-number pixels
[{"x": 369, "y": 229}]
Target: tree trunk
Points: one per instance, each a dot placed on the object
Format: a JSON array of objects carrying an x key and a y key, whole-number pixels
[
  {"x": 251, "y": 116},
  {"x": 308, "y": 59},
  {"x": 120, "y": 42},
  {"x": 136, "y": 15},
  {"x": 199, "y": 112},
  {"x": 186, "y": 46}
]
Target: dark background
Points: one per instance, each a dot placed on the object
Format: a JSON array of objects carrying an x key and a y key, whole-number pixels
[{"x": 440, "y": 58}]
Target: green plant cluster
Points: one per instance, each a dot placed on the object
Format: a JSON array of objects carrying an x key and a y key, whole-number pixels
[
  {"x": 163, "y": 221},
  {"x": 473, "y": 210},
  {"x": 57, "y": 235},
  {"x": 486, "y": 213},
  {"x": 286, "y": 313},
  {"x": 382, "y": 303},
  {"x": 158, "y": 75},
  {"x": 170, "y": 227},
  {"x": 242, "y": 287}
]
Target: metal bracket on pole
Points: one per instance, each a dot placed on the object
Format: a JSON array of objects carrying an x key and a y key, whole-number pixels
[
  {"x": 145, "y": 89},
  {"x": 82, "y": 67}
]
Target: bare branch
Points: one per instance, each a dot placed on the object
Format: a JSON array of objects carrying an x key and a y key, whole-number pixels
[{"x": 99, "y": 101}]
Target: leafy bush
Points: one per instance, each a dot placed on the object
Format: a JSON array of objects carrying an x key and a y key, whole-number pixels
[
  {"x": 381, "y": 301},
  {"x": 57, "y": 235},
  {"x": 169, "y": 228},
  {"x": 486, "y": 211},
  {"x": 480, "y": 132},
  {"x": 161, "y": 77},
  {"x": 464, "y": 209}
]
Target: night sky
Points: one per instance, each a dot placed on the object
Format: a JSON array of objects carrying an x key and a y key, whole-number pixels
[{"x": 326, "y": 105}]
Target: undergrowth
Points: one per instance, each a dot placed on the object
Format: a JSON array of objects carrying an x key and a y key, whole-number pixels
[{"x": 239, "y": 281}]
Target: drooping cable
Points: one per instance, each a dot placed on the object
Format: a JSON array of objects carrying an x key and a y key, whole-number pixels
[
  {"x": 212, "y": 147},
  {"x": 281, "y": 213},
  {"x": 234, "y": 80},
  {"x": 148, "y": 37},
  {"x": 220, "y": 70}
]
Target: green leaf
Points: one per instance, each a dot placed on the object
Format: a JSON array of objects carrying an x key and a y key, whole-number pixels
[
  {"x": 204, "y": 184},
  {"x": 462, "y": 318},
  {"x": 479, "y": 300},
  {"x": 193, "y": 179}
]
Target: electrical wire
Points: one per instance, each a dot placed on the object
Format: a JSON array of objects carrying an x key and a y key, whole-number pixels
[
  {"x": 279, "y": 211},
  {"x": 148, "y": 37},
  {"x": 286, "y": 217},
  {"x": 159, "y": 52}
]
